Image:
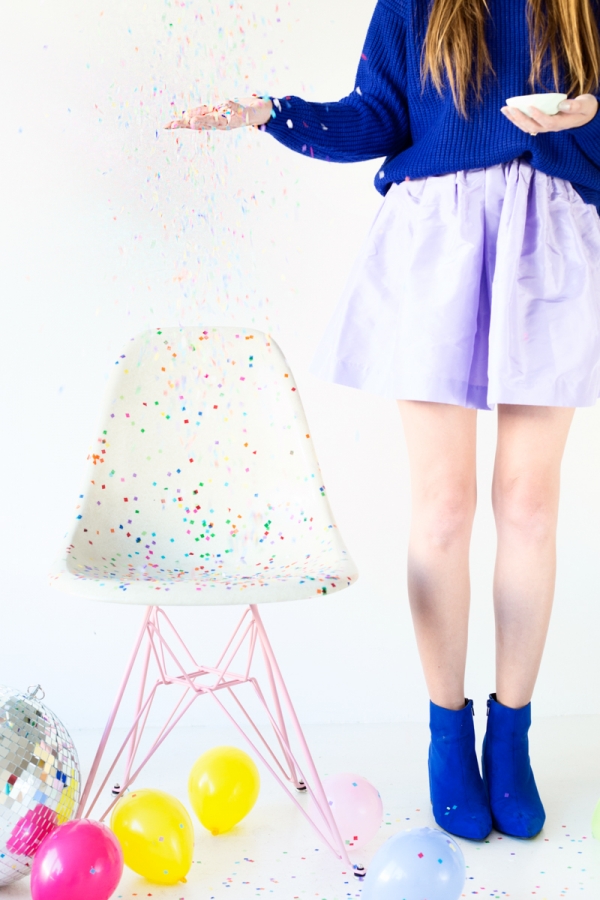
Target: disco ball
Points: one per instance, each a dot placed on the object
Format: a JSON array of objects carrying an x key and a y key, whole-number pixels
[{"x": 39, "y": 779}]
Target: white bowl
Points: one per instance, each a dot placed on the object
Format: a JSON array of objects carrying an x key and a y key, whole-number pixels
[{"x": 546, "y": 103}]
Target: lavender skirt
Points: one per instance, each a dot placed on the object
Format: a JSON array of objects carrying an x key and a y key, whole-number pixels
[{"x": 474, "y": 288}]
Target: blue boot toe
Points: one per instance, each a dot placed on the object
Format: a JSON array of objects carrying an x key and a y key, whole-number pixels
[
  {"x": 458, "y": 796},
  {"x": 515, "y": 803}
]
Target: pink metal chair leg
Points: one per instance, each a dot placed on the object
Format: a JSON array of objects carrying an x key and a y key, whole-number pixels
[
  {"x": 196, "y": 682},
  {"x": 140, "y": 700},
  {"x": 300, "y": 786},
  {"x": 319, "y": 793},
  {"x": 111, "y": 719}
]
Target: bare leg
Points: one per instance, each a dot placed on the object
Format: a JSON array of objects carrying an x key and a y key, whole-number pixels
[
  {"x": 525, "y": 492},
  {"x": 441, "y": 447}
]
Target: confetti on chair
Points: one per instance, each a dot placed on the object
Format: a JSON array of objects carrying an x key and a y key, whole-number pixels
[{"x": 203, "y": 488}]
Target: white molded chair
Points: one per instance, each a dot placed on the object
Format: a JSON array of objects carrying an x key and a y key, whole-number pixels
[{"x": 203, "y": 488}]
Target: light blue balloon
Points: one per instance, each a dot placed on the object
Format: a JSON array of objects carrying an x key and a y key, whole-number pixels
[{"x": 421, "y": 864}]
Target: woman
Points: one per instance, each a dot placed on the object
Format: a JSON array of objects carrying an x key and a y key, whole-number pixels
[{"x": 478, "y": 286}]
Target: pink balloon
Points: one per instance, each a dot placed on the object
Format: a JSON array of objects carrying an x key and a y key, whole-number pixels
[
  {"x": 81, "y": 860},
  {"x": 356, "y": 807}
]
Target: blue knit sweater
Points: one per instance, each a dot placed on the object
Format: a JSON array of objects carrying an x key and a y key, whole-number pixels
[{"x": 423, "y": 134}]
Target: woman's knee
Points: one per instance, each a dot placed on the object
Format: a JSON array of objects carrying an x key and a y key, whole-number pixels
[
  {"x": 443, "y": 515},
  {"x": 527, "y": 505}
]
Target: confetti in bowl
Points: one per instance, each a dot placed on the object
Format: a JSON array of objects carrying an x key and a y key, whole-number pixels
[{"x": 546, "y": 103}]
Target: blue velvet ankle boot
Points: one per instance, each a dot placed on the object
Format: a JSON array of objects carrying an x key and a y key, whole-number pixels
[
  {"x": 514, "y": 800},
  {"x": 458, "y": 797}
]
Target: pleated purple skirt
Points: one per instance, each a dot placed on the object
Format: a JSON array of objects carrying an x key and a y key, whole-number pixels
[{"x": 474, "y": 288}]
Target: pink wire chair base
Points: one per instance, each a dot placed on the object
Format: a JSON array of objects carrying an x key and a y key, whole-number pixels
[{"x": 160, "y": 644}]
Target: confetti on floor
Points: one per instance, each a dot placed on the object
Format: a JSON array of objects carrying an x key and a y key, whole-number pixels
[{"x": 274, "y": 855}]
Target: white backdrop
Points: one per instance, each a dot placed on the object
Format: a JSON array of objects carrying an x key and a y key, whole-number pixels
[{"x": 110, "y": 225}]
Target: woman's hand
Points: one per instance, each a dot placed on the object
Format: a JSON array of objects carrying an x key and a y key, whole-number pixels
[
  {"x": 232, "y": 114},
  {"x": 573, "y": 113}
]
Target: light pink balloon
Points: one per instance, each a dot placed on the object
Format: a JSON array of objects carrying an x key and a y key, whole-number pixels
[
  {"x": 81, "y": 860},
  {"x": 356, "y": 807}
]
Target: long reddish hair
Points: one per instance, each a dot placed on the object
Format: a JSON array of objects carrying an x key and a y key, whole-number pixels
[{"x": 455, "y": 43}]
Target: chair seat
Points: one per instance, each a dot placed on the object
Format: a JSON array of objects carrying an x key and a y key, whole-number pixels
[
  {"x": 203, "y": 486},
  {"x": 218, "y": 583}
]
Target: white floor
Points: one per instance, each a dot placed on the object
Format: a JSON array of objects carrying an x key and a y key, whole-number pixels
[{"x": 274, "y": 854}]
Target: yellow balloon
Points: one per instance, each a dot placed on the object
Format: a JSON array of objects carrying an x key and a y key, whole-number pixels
[
  {"x": 156, "y": 833},
  {"x": 223, "y": 787}
]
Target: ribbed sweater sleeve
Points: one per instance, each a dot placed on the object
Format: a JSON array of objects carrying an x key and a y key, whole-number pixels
[
  {"x": 370, "y": 122},
  {"x": 588, "y": 136}
]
